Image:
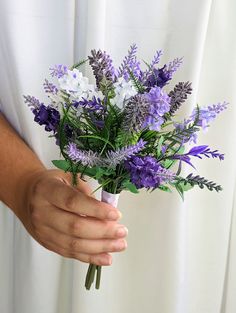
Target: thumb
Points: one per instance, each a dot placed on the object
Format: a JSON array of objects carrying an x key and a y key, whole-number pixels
[{"x": 82, "y": 185}]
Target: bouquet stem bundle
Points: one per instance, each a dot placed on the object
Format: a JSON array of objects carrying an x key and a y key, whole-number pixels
[{"x": 95, "y": 270}]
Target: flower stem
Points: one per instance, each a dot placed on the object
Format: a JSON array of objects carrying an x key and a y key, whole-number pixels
[
  {"x": 98, "y": 278},
  {"x": 90, "y": 276}
]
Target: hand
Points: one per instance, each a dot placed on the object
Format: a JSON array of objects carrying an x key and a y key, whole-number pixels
[{"x": 68, "y": 221}]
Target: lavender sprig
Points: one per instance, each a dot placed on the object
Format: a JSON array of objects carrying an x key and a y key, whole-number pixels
[
  {"x": 114, "y": 158},
  {"x": 86, "y": 158},
  {"x": 178, "y": 95},
  {"x": 200, "y": 181},
  {"x": 135, "y": 113},
  {"x": 50, "y": 87},
  {"x": 93, "y": 105},
  {"x": 156, "y": 58},
  {"x": 102, "y": 66},
  {"x": 111, "y": 159},
  {"x": 32, "y": 102},
  {"x": 197, "y": 151},
  {"x": 208, "y": 114},
  {"x": 58, "y": 70},
  {"x": 146, "y": 172},
  {"x": 173, "y": 66},
  {"x": 130, "y": 64},
  {"x": 205, "y": 150}
]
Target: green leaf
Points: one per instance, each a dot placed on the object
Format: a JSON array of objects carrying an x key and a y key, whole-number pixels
[
  {"x": 164, "y": 188},
  {"x": 136, "y": 83},
  {"x": 168, "y": 163},
  {"x": 62, "y": 164},
  {"x": 88, "y": 171},
  {"x": 179, "y": 188},
  {"x": 101, "y": 172},
  {"x": 160, "y": 142},
  {"x": 131, "y": 187},
  {"x": 186, "y": 186},
  {"x": 80, "y": 63},
  {"x": 99, "y": 138}
]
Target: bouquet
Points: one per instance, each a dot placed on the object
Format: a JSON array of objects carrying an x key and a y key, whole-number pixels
[{"x": 122, "y": 130}]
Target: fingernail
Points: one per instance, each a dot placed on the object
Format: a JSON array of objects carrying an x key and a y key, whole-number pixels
[
  {"x": 122, "y": 231},
  {"x": 121, "y": 244},
  {"x": 114, "y": 215},
  {"x": 106, "y": 260}
]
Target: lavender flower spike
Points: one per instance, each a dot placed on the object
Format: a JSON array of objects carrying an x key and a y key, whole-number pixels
[
  {"x": 208, "y": 114},
  {"x": 146, "y": 172},
  {"x": 102, "y": 66},
  {"x": 173, "y": 66},
  {"x": 58, "y": 70},
  {"x": 114, "y": 158},
  {"x": 32, "y": 102},
  {"x": 86, "y": 158},
  {"x": 50, "y": 88},
  {"x": 135, "y": 113},
  {"x": 205, "y": 150},
  {"x": 156, "y": 58},
  {"x": 130, "y": 63}
]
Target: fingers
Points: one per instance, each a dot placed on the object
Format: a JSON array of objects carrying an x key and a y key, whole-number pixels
[
  {"x": 76, "y": 245},
  {"x": 68, "y": 198},
  {"x": 103, "y": 259},
  {"x": 77, "y": 226}
]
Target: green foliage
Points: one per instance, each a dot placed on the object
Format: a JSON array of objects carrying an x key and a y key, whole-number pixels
[
  {"x": 129, "y": 186},
  {"x": 64, "y": 165},
  {"x": 138, "y": 86},
  {"x": 79, "y": 64},
  {"x": 159, "y": 146},
  {"x": 164, "y": 188},
  {"x": 101, "y": 172},
  {"x": 201, "y": 182}
]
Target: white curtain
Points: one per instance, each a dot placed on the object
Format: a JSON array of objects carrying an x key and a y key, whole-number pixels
[{"x": 180, "y": 256}]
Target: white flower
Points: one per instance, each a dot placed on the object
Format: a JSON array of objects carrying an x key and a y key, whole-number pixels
[
  {"x": 77, "y": 86},
  {"x": 123, "y": 90}
]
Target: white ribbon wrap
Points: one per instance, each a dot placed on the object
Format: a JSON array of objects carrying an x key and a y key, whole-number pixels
[{"x": 110, "y": 198}]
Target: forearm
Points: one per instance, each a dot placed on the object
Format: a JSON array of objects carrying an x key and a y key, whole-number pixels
[{"x": 17, "y": 163}]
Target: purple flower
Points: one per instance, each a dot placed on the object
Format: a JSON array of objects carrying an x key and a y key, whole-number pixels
[
  {"x": 157, "y": 77},
  {"x": 99, "y": 123},
  {"x": 146, "y": 172},
  {"x": 47, "y": 116},
  {"x": 135, "y": 113},
  {"x": 114, "y": 158},
  {"x": 130, "y": 63},
  {"x": 102, "y": 66},
  {"x": 178, "y": 95},
  {"x": 50, "y": 88},
  {"x": 156, "y": 58},
  {"x": 173, "y": 66},
  {"x": 182, "y": 157},
  {"x": 68, "y": 130},
  {"x": 86, "y": 158},
  {"x": 205, "y": 150},
  {"x": 59, "y": 70},
  {"x": 185, "y": 136},
  {"x": 197, "y": 151},
  {"x": 208, "y": 114},
  {"x": 32, "y": 102},
  {"x": 159, "y": 105},
  {"x": 93, "y": 105}
]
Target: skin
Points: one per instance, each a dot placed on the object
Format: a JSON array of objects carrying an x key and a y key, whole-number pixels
[{"x": 64, "y": 219}]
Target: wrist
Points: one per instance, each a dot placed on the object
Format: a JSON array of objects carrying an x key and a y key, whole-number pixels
[{"x": 24, "y": 186}]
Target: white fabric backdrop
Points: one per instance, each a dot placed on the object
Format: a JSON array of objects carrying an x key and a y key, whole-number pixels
[{"x": 181, "y": 256}]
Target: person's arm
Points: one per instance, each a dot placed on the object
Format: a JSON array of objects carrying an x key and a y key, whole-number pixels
[
  {"x": 60, "y": 217},
  {"x": 17, "y": 163}
]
